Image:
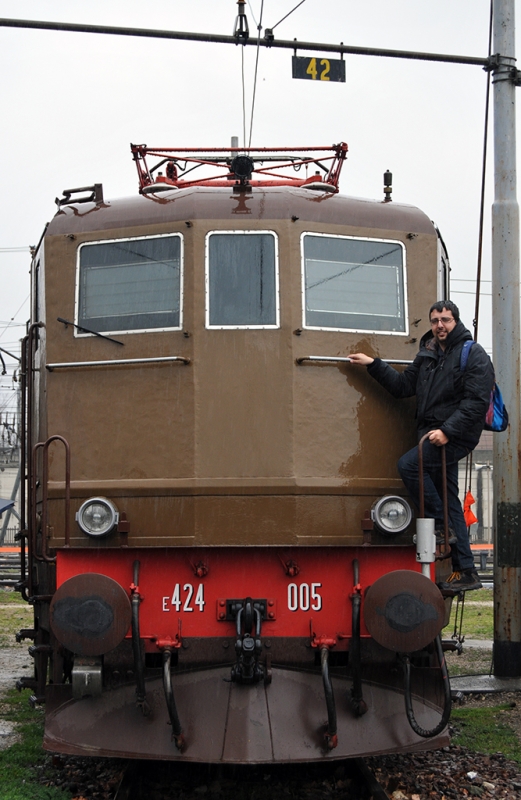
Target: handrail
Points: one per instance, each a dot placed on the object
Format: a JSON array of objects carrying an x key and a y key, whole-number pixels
[
  {"x": 421, "y": 491},
  {"x": 33, "y": 521},
  {"x": 25, "y": 579},
  {"x": 27, "y": 382},
  {"x": 45, "y": 472},
  {"x": 333, "y": 359},
  {"x": 115, "y": 362}
]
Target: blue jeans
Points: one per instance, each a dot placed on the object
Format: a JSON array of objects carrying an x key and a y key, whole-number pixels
[{"x": 462, "y": 558}]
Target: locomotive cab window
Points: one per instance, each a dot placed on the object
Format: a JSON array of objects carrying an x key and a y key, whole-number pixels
[
  {"x": 353, "y": 284},
  {"x": 242, "y": 280},
  {"x": 130, "y": 284}
]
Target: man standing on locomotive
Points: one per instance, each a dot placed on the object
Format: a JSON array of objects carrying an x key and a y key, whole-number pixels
[{"x": 451, "y": 408}]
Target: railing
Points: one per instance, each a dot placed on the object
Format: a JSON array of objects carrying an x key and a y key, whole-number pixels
[
  {"x": 44, "y": 446},
  {"x": 10, "y": 534},
  {"x": 118, "y": 362},
  {"x": 335, "y": 359}
]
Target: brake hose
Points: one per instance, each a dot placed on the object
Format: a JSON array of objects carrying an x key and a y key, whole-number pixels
[{"x": 425, "y": 734}]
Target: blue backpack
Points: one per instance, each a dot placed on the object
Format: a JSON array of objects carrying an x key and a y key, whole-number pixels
[{"x": 497, "y": 414}]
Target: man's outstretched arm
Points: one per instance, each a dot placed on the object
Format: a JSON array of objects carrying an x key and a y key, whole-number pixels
[{"x": 399, "y": 384}]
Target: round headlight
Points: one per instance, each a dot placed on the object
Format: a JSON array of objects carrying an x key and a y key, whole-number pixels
[
  {"x": 97, "y": 516},
  {"x": 391, "y": 514}
]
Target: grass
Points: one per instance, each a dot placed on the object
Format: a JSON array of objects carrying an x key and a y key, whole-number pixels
[
  {"x": 478, "y": 616},
  {"x": 13, "y": 617},
  {"x": 471, "y": 662},
  {"x": 10, "y": 597},
  {"x": 486, "y": 730},
  {"x": 478, "y": 623},
  {"x": 20, "y": 763},
  {"x": 11, "y": 620}
]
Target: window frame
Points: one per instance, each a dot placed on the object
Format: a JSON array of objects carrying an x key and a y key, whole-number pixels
[
  {"x": 357, "y": 239},
  {"x": 80, "y": 334},
  {"x": 248, "y": 232}
]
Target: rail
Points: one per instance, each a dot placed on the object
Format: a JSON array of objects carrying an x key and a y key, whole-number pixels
[
  {"x": 345, "y": 359},
  {"x": 27, "y": 403},
  {"x": 150, "y": 778},
  {"x": 10, "y": 573},
  {"x": 45, "y": 446},
  {"x": 118, "y": 362},
  {"x": 447, "y": 548}
]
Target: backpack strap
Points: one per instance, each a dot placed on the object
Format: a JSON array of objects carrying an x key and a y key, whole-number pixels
[{"x": 465, "y": 350}]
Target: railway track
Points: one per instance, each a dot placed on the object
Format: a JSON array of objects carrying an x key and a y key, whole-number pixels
[
  {"x": 153, "y": 780},
  {"x": 9, "y": 569}
]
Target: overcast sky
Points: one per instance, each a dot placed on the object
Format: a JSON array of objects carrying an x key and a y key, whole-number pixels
[{"x": 71, "y": 104}]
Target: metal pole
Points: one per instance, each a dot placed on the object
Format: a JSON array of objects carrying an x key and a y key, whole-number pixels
[{"x": 506, "y": 342}]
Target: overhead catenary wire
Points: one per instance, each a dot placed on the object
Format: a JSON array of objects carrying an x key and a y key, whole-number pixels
[
  {"x": 287, "y": 15},
  {"x": 253, "y": 15},
  {"x": 471, "y": 280},
  {"x": 243, "y": 100},
  {"x": 483, "y": 179},
  {"x": 259, "y": 28},
  {"x": 461, "y": 291},
  {"x": 14, "y": 316}
]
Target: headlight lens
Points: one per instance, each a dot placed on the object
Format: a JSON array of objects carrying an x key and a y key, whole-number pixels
[
  {"x": 391, "y": 514},
  {"x": 97, "y": 516}
]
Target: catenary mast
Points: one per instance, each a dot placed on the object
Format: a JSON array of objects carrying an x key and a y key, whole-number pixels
[{"x": 506, "y": 344}]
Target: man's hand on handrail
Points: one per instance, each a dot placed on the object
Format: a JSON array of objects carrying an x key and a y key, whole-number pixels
[
  {"x": 437, "y": 437},
  {"x": 361, "y": 359}
]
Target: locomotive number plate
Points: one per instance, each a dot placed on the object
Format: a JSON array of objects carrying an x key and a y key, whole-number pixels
[
  {"x": 185, "y": 597},
  {"x": 310, "y": 68},
  {"x": 189, "y": 597}
]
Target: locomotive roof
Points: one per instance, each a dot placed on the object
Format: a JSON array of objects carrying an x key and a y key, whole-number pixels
[{"x": 211, "y": 203}]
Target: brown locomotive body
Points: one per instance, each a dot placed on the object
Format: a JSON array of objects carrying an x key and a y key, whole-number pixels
[{"x": 203, "y": 476}]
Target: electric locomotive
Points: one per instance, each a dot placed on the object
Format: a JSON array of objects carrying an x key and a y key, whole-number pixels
[{"x": 220, "y": 551}]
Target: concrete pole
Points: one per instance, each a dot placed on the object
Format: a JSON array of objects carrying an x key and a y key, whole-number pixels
[{"x": 506, "y": 349}]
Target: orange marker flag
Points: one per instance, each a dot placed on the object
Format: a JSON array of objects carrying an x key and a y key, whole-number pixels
[{"x": 470, "y": 517}]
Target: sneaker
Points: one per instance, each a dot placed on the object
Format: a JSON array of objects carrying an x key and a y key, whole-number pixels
[
  {"x": 461, "y": 582},
  {"x": 440, "y": 536}
]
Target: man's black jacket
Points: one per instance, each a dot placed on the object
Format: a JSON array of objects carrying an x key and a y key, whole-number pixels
[{"x": 446, "y": 398}]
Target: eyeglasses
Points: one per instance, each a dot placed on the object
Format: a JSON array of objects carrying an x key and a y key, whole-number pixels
[{"x": 445, "y": 321}]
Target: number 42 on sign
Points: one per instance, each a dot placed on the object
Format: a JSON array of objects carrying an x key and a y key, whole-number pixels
[{"x": 309, "y": 68}]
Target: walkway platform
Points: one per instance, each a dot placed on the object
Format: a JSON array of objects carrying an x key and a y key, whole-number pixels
[{"x": 484, "y": 684}]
